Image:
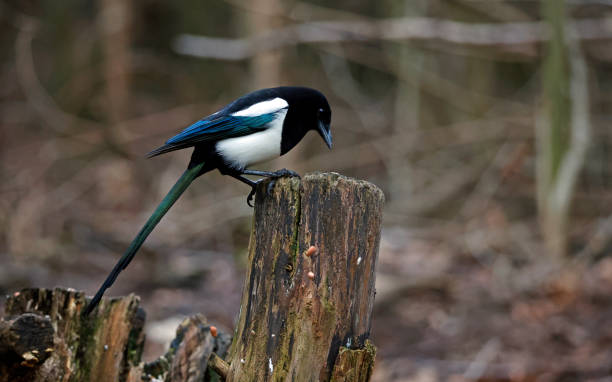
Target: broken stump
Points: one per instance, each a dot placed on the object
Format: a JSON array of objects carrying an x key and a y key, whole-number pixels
[
  {"x": 44, "y": 337},
  {"x": 101, "y": 347}
]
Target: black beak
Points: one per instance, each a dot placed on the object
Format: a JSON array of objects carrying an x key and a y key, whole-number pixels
[{"x": 325, "y": 133}]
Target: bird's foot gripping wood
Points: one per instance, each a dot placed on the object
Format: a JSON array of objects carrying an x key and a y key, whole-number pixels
[
  {"x": 281, "y": 174},
  {"x": 273, "y": 176}
]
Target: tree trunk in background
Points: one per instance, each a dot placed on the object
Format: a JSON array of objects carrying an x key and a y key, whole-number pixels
[
  {"x": 406, "y": 121},
  {"x": 265, "y": 66},
  {"x": 114, "y": 18},
  {"x": 563, "y": 128},
  {"x": 307, "y": 318}
]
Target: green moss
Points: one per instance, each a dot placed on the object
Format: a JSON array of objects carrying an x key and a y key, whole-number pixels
[
  {"x": 134, "y": 345},
  {"x": 354, "y": 364},
  {"x": 86, "y": 340},
  {"x": 370, "y": 348}
]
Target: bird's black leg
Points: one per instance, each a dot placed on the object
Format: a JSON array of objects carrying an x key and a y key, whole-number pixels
[
  {"x": 273, "y": 175},
  {"x": 252, "y": 183}
]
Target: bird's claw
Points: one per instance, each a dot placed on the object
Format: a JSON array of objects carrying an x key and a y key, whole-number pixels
[
  {"x": 250, "y": 197},
  {"x": 284, "y": 172},
  {"x": 271, "y": 186},
  {"x": 281, "y": 174},
  {"x": 254, "y": 189},
  {"x": 275, "y": 175}
]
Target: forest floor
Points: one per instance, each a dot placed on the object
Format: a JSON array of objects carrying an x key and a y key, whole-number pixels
[{"x": 442, "y": 312}]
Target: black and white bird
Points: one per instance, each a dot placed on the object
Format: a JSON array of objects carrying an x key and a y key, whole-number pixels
[{"x": 254, "y": 128}]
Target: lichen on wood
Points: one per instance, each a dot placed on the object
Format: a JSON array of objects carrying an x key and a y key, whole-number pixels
[{"x": 297, "y": 311}]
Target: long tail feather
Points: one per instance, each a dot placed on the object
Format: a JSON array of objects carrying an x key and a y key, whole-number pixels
[
  {"x": 179, "y": 187},
  {"x": 165, "y": 149}
]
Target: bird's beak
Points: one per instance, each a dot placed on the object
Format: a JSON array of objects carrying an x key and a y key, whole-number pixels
[{"x": 325, "y": 133}]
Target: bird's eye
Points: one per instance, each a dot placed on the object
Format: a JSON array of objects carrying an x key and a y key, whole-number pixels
[{"x": 324, "y": 115}]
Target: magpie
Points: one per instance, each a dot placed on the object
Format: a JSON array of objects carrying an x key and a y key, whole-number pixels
[{"x": 256, "y": 127}]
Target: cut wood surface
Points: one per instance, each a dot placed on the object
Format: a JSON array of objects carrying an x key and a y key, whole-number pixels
[
  {"x": 300, "y": 309},
  {"x": 305, "y": 313}
]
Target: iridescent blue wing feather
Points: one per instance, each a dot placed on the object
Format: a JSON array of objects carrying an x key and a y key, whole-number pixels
[{"x": 212, "y": 130}]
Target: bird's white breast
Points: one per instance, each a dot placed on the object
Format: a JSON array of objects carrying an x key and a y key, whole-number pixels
[{"x": 258, "y": 147}]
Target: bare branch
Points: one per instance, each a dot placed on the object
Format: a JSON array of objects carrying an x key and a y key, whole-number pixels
[{"x": 397, "y": 29}]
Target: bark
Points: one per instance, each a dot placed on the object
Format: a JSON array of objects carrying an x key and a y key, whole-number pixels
[{"x": 298, "y": 311}]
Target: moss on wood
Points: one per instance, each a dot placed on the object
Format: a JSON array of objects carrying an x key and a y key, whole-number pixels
[{"x": 354, "y": 365}]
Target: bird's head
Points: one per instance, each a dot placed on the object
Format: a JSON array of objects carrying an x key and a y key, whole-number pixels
[{"x": 308, "y": 110}]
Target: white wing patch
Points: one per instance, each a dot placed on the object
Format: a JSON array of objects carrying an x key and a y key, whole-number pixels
[
  {"x": 265, "y": 107},
  {"x": 258, "y": 147}
]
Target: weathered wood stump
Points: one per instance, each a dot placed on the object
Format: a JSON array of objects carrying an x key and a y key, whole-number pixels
[
  {"x": 45, "y": 338},
  {"x": 300, "y": 310},
  {"x": 102, "y": 347},
  {"x": 305, "y": 312}
]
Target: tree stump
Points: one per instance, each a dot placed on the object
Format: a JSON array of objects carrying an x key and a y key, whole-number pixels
[
  {"x": 300, "y": 309},
  {"x": 45, "y": 338},
  {"x": 305, "y": 313},
  {"x": 101, "y": 347}
]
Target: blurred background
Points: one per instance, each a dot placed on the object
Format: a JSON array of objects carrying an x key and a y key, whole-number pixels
[{"x": 485, "y": 122}]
